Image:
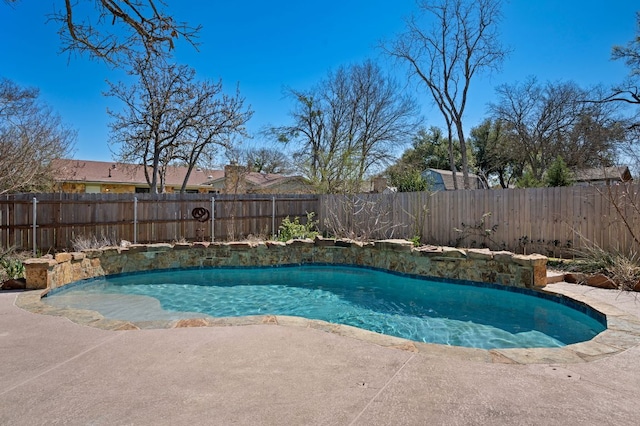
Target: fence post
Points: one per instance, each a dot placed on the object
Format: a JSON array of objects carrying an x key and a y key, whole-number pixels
[
  {"x": 273, "y": 218},
  {"x": 35, "y": 224},
  {"x": 135, "y": 220},
  {"x": 213, "y": 218}
]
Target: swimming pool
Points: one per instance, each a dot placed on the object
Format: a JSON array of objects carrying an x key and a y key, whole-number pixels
[{"x": 426, "y": 310}]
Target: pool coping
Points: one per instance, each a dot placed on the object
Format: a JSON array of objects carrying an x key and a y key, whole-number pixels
[{"x": 622, "y": 333}]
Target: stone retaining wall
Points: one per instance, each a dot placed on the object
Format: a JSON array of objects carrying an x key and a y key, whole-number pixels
[{"x": 396, "y": 255}]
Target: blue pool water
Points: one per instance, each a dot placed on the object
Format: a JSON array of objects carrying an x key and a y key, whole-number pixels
[{"x": 410, "y": 307}]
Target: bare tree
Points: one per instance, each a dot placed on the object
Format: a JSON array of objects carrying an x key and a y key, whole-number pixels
[
  {"x": 630, "y": 53},
  {"x": 628, "y": 92},
  {"x": 117, "y": 30},
  {"x": 445, "y": 46},
  {"x": 348, "y": 125},
  {"x": 267, "y": 160},
  {"x": 31, "y": 135},
  {"x": 542, "y": 122},
  {"x": 171, "y": 117},
  {"x": 213, "y": 125}
]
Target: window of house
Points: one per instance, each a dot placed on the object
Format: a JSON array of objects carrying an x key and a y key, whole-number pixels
[{"x": 92, "y": 189}]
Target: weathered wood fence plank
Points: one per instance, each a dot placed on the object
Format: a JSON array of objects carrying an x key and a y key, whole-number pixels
[
  {"x": 61, "y": 218},
  {"x": 550, "y": 221}
]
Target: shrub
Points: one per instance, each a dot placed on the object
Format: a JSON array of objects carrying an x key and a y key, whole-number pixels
[
  {"x": 13, "y": 268},
  {"x": 409, "y": 181},
  {"x": 416, "y": 240},
  {"x": 289, "y": 230},
  {"x": 528, "y": 180},
  {"x": 11, "y": 264}
]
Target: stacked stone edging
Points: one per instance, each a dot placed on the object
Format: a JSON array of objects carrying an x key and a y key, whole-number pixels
[{"x": 500, "y": 267}]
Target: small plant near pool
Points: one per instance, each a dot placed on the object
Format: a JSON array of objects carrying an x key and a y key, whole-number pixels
[
  {"x": 480, "y": 233},
  {"x": 11, "y": 266},
  {"x": 294, "y": 229}
]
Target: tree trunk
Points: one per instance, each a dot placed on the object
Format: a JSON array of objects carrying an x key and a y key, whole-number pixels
[
  {"x": 463, "y": 153},
  {"x": 452, "y": 161}
]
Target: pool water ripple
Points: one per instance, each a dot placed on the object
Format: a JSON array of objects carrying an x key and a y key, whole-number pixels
[{"x": 416, "y": 309}]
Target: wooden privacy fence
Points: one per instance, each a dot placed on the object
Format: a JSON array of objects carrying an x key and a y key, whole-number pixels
[
  {"x": 53, "y": 221},
  {"x": 550, "y": 221}
]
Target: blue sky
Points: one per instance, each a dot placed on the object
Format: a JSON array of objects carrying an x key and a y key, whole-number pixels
[{"x": 267, "y": 46}]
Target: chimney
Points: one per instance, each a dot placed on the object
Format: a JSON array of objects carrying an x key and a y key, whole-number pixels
[
  {"x": 379, "y": 185},
  {"x": 234, "y": 182}
]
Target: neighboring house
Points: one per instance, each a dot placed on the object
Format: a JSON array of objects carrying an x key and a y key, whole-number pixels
[
  {"x": 111, "y": 177},
  {"x": 379, "y": 185},
  {"x": 236, "y": 180},
  {"x": 442, "y": 180},
  {"x": 602, "y": 176}
]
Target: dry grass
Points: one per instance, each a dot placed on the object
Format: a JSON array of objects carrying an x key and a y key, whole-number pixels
[
  {"x": 622, "y": 268},
  {"x": 82, "y": 242}
]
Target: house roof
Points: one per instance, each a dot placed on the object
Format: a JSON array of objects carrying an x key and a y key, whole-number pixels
[
  {"x": 119, "y": 173},
  {"x": 263, "y": 180},
  {"x": 621, "y": 173},
  {"x": 132, "y": 174}
]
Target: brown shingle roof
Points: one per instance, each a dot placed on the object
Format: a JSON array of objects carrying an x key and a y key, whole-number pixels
[
  {"x": 102, "y": 171},
  {"x": 267, "y": 179},
  {"x": 620, "y": 173},
  {"x": 258, "y": 179}
]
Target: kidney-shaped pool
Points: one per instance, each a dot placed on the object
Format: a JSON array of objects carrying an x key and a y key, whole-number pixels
[{"x": 426, "y": 310}]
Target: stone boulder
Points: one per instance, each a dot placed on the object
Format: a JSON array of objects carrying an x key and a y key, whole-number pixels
[
  {"x": 601, "y": 281},
  {"x": 17, "y": 284}
]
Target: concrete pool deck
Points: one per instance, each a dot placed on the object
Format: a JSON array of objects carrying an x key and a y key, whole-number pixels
[{"x": 53, "y": 371}]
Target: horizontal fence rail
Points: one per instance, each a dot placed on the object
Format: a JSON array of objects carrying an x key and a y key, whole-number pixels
[
  {"x": 46, "y": 222},
  {"x": 551, "y": 221}
]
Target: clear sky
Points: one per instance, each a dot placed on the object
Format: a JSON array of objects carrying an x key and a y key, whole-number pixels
[{"x": 267, "y": 46}]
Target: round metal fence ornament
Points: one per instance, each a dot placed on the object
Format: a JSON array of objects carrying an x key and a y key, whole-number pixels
[{"x": 201, "y": 214}]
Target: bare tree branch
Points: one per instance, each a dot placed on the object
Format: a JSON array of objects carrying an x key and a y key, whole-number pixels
[
  {"x": 116, "y": 31},
  {"x": 169, "y": 117},
  {"x": 445, "y": 47},
  {"x": 31, "y": 135},
  {"x": 541, "y": 122},
  {"x": 348, "y": 125}
]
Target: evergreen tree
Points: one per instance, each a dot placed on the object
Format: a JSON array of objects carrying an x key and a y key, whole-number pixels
[
  {"x": 558, "y": 174},
  {"x": 528, "y": 180}
]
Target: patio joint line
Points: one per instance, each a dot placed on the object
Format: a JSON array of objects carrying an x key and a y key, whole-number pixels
[
  {"x": 48, "y": 370},
  {"x": 366, "y": 407}
]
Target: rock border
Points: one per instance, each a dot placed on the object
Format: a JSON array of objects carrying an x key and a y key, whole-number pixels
[{"x": 499, "y": 267}]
